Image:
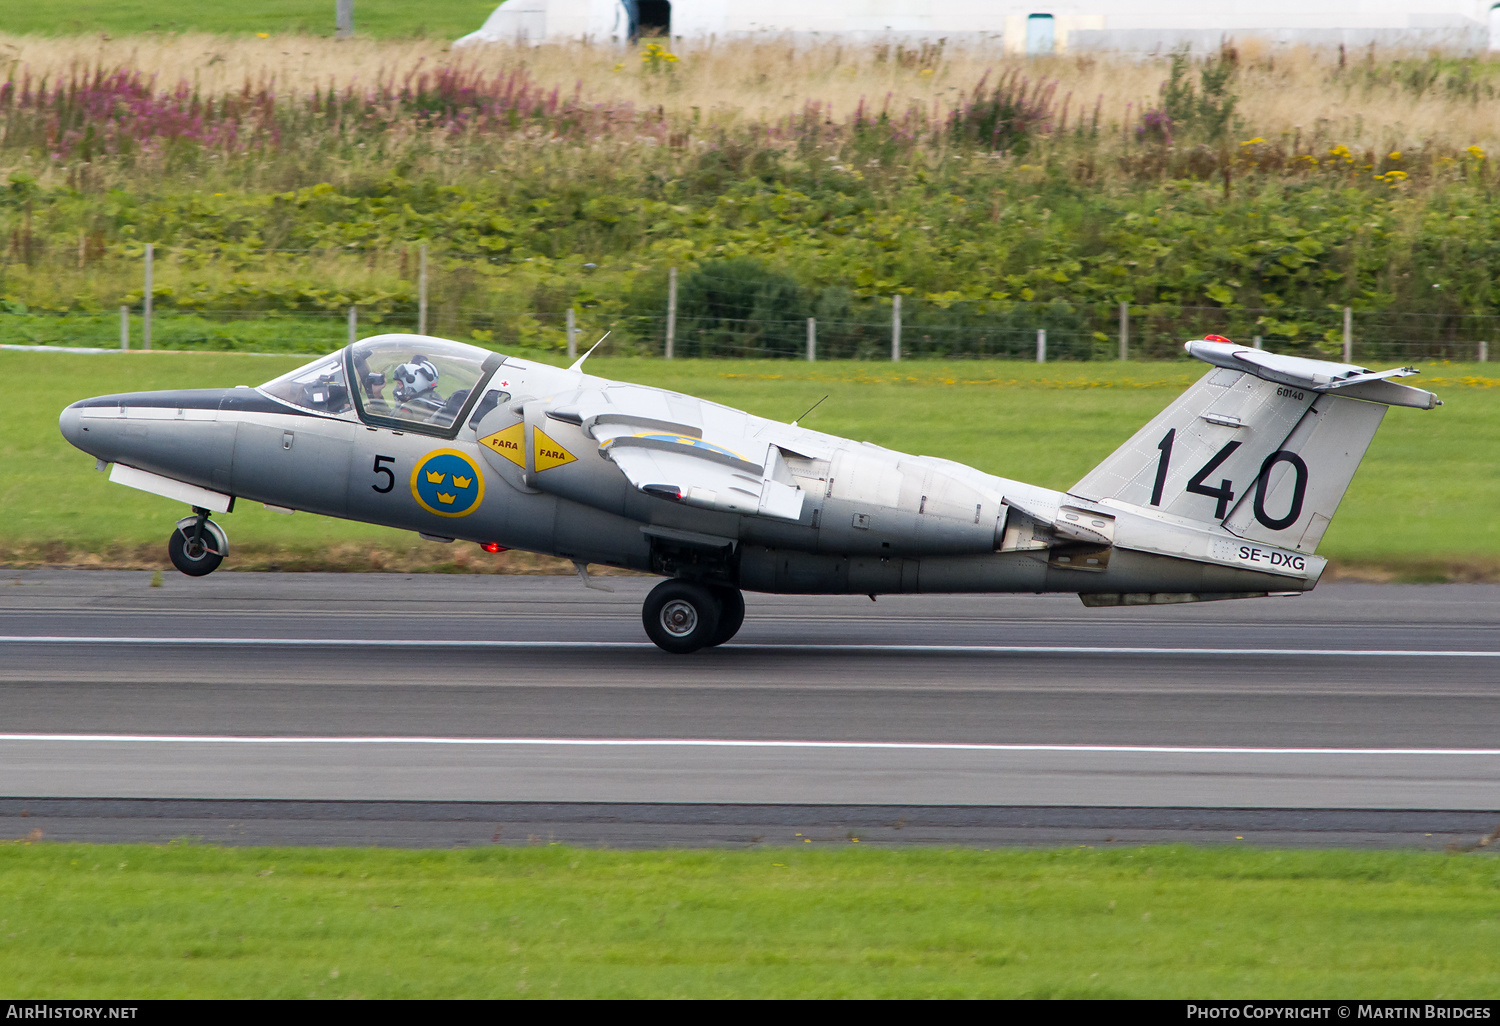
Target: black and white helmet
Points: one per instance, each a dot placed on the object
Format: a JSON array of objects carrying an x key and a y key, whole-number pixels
[{"x": 414, "y": 379}]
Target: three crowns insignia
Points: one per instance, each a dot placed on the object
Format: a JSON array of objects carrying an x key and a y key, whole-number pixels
[
  {"x": 435, "y": 477},
  {"x": 442, "y": 486}
]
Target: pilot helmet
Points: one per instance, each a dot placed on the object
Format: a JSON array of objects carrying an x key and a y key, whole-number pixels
[{"x": 415, "y": 378}]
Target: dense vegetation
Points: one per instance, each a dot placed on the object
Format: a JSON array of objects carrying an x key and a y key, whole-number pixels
[{"x": 1008, "y": 208}]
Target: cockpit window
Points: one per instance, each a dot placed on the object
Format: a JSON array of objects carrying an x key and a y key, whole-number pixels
[
  {"x": 493, "y": 398},
  {"x": 417, "y": 381},
  {"x": 318, "y": 386}
]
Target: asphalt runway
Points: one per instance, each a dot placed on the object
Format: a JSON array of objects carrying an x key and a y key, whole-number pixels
[{"x": 377, "y": 701}]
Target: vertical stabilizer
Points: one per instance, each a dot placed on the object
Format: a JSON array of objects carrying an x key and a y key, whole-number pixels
[
  {"x": 1196, "y": 456},
  {"x": 1265, "y": 445},
  {"x": 1300, "y": 486}
]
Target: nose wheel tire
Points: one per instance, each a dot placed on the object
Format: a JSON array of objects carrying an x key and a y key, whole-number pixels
[
  {"x": 201, "y": 555},
  {"x": 731, "y": 613},
  {"x": 681, "y": 616}
]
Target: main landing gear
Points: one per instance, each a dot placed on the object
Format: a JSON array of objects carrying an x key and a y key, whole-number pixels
[
  {"x": 198, "y": 545},
  {"x": 684, "y": 616}
]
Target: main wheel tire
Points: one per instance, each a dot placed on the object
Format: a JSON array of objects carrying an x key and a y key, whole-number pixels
[
  {"x": 680, "y": 616},
  {"x": 199, "y": 559},
  {"x": 731, "y": 613}
]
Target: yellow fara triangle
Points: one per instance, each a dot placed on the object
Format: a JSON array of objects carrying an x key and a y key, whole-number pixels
[
  {"x": 510, "y": 443},
  {"x": 546, "y": 453}
]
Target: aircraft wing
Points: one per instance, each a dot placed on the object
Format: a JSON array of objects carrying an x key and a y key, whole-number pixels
[{"x": 684, "y": 449}]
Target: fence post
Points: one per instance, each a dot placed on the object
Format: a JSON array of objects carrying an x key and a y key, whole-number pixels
[
  {"x": 672, "y": 312},
  {"x": 572, "y": 334},
  {"x": 1484, "y": 352},
  {"x": 812, "y": 339},
  {"x": 1257, "y": 343},
  {"x": 1348, "y": 335},
  {"x": 125, "y": 328},
  {"x": 1041, "y": 345},
  {"x": 1124, "y": 331},
  {"x": 146, "y": 304},
  {"x": 422, "y": 291},
  {"x": 353, "y": 324},
  {"x": 896, "y": 328},
  {"x": 343, "y": 17}
]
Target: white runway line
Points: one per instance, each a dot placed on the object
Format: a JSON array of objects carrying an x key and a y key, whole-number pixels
[
  {"x": 1069, "y": 650},
  {"x": 580, "y": 742}
]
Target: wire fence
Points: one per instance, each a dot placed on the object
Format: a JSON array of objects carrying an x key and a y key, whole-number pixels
[
  {"x": 1052, "y": 331},
  {"x": 726, "y": 309}
]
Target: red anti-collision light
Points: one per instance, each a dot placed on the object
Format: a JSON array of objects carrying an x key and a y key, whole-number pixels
[
  {"x": 492, "y": 547},
  {"x": 1217, "y": 338}
]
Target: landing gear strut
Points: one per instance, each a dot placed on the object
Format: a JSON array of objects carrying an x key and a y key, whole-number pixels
[
  {"x": 684, "y": 616},
  {"x": 198, "y": 545}
]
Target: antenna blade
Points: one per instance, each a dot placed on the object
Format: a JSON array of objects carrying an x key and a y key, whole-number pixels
[
  {"x": 578, "y": 365},
  {"x": 814, "y": 406}
]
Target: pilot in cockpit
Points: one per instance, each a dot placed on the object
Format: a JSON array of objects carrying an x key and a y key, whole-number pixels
[
  {"x": 416, "y": 386},
  {"x": 416, "y": 391}
]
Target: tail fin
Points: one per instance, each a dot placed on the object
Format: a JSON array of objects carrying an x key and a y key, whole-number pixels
[{"x": 1265, "y": 445}]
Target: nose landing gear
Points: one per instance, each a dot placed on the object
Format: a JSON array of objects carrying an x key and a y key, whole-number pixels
[
  {"x": 198, "y": 545},
  {"x": 684, "y": 616}
]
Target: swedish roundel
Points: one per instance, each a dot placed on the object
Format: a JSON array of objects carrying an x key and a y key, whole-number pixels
[{"x": 448, "y": 483}]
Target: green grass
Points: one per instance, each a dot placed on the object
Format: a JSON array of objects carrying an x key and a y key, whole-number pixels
[
  {"x": 256, "y": 333},
  {"x": 1427, "y": 490},
  {"x": 443, "y": 19},
  {"x": 87, "y": 921}
]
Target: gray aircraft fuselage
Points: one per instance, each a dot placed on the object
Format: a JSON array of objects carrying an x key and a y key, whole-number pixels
[{"x": 535, "y": 476}]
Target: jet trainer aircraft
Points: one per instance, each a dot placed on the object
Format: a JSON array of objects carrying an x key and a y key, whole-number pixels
[{"x": 1225, "y": 494}]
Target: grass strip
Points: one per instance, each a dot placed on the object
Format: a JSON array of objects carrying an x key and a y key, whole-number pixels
[
  {"x": 1420, "y": 508},
  {"x": 832, "y": 921},
  {"x": 443, "y": 19}
]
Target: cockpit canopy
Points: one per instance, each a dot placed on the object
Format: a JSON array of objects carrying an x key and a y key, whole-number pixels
[
  {"x": 319, "y": 386},
  {"x": 406, "y": 381}
]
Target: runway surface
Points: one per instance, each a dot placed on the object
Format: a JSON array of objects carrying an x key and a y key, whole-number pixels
[{"x": 536, "y": 693}]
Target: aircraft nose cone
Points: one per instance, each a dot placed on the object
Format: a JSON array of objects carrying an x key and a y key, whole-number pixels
[{"x": 71, "y": 424}]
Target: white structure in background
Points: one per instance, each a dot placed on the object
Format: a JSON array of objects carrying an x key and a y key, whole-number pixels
[
  {"x": 1141, "y": 26},
  {"x": 540, "y": 21}
]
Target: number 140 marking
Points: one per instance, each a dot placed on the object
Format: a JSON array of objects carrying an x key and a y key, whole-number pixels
[{"x": 1224, "y": 491}]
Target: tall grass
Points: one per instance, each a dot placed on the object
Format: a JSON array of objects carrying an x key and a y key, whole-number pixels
[{"x": 1367, "y": 99}]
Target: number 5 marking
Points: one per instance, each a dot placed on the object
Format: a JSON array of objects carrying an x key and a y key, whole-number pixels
[{"x": 390, "y": 479}]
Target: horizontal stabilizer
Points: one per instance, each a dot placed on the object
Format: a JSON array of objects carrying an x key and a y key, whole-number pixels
[{"x": 1316, "y": 375}]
